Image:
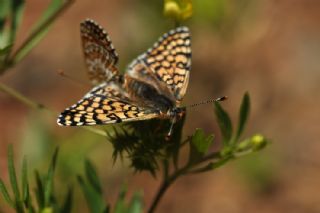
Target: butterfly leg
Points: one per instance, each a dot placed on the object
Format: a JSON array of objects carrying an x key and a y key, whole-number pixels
[{"x": 173, "y": 121}]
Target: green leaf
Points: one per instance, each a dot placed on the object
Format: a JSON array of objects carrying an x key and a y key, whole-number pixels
[
  {"x": 25, "y": 187},
  {"x": 92, "y": 176},
  {"x": 243, "y": 114},
  {"x": 136, "y": 204},
  {"x": 5, "y": 194},
  {"x": 40, "y": 29},
  {"x": 49, "y": 179},
  {"x": 120, "y": 206},
  {"x": 13, "y": 178},
  {"x": 199, "y": 145},
  {"x": 67, "y": 205},
  {"x": 224, "y": 123},
  {"x": 39, "y": 191},
  {"x": 94, "y": 199},
  {"x": 24, "y": 182},
  {"x": 17, "y": 7}
]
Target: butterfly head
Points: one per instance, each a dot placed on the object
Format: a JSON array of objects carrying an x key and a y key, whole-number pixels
[{"x": 176, "y": 113}]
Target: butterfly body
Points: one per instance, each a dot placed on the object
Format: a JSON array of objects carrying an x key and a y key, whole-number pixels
[{"x": 152, "y": 87}]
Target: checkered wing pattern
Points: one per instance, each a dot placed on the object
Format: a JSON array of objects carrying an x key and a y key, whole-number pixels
[
  {"x": 170, "y": 60},
  {"x": 99, "y": 53},
  {"x": 99, "y": 109},
  {"x": 112, "y": 89}
]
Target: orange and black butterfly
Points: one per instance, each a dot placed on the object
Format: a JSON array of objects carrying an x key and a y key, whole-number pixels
[{"x": 152, "y": 87}]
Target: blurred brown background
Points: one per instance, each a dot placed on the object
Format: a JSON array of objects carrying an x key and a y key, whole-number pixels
[{"x": 269, "y": 48}]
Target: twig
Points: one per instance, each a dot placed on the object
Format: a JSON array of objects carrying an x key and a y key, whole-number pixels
[
  {"x": 164, "y": 187},
  {"x": 37, "y": 106},
  {"x": 4, "y": 88},
  {"x": 216, "y": 156},
  {"x": 43, "y": 26}
]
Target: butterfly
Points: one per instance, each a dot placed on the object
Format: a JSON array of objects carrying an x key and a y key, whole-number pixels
[{"x": 153, "y": 85}]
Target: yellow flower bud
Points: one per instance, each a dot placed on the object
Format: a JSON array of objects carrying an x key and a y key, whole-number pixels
[
  {"x": 178, "y": 9},
  {"x": 258, "y": 141}
]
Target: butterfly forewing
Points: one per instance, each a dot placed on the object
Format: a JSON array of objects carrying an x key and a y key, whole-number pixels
[
  {"x": 99, "y": 53},
  {"x": 170, "y": 60}
]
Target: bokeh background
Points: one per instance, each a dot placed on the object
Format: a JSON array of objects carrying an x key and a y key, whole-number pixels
[{"x": 270, "y": 48}]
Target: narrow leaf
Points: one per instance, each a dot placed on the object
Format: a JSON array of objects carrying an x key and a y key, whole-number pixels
[
  {"x": 49, "y": 178},
  {"x": 5, "y": 194},
  {"x": 92, "y": 176},
  {"x": 39, "y": 191},
  {"x": 136, "y": 204},
  {"x": 24, "y": 182},
  {"x": 12, "y": 175},
  {"x": 120, "y": 206},
  {"x": 243, "y": 114},
  {"x": 67, "y": 205},
  {"x": 94, "y": 199},
  {"x": 224, "y": 123},
  {"x": 17, "y": 7}
]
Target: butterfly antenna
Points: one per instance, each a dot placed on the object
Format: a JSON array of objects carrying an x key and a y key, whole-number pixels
[
  {"x": 64, "y": 75},
  {"x": 223, "y": 98}
]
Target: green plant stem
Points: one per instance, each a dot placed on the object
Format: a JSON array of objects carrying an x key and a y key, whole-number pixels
[
  {"x": 43, "y": 26},
  {"x": 164, "y": 187},
  {"x": 37, "y": 106},
  {"x": 4, "y": 88},
  {"x": 167, "y": 182}
]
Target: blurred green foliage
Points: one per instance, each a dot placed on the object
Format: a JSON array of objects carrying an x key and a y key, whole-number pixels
[
  {"x": 11, "y": 14},
  {"x": 46, "y": 199}
]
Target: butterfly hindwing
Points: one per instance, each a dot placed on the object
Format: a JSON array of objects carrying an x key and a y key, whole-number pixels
[
  {"x": 170, "y": 60},
  {"x": 97, "y": 109},
  {"x": 99, "y": 53}
]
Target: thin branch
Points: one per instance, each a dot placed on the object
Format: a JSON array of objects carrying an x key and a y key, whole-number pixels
[
  {"x": 43, "y": 26},
  {"x": 216, "y": 156},
  {"x": 37, "y": 106},
  {"x": 18, "y": 96},
  {"x": 164, "y": 187}
]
